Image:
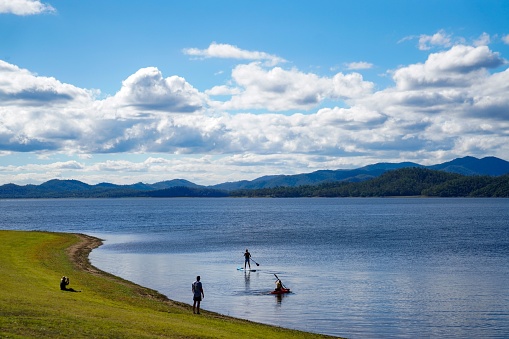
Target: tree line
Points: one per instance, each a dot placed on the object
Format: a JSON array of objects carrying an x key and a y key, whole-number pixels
[
  {"x": 397, "y": 183},
  {"x": 409, "y": 181}
]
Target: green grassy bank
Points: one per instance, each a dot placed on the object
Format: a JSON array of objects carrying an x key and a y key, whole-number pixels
[{"x": 33, "y": 306}]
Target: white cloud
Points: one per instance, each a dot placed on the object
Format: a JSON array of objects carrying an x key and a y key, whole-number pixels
[
  {"x": 148, "y": 90},
  {"x": 20, "y": 85},
  {"x": 278, "y": 89},
  {"x": 343, "y": 116},
  {"x": 359, "y": 65},
  {"x": 24, "y": 7},
  {"x": 459, "y": 66},
  {"x": 39, "y": 113},
  {"x": 350, "y": 86},
  {"x": 488, "y": 98},
  {"x": 448, "y": 106},
  {"x": 222, "y": 90},
  {"x": 275, "y": 89},
  {"x": 505, "y": 39},
  {"x": 227, "y": 51},
  {"x": 483, "y": 40},
  {"x": 441, "y": 38}
]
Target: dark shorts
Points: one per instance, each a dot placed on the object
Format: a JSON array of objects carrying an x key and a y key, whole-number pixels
[{"x": 198, "y": 298}]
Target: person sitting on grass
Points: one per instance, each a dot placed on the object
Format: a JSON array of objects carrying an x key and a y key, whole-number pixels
[{"x": 63, "y": 284}]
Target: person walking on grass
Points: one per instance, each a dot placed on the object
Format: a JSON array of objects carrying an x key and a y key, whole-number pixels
[
  {"x": 197, "y": 295},
  {"x": 247, "y": 257}
]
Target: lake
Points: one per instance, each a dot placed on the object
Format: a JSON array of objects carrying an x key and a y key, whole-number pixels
[{"x": 357, "y": 267}]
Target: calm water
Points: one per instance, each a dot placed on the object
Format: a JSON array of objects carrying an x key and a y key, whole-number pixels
[{"x": 359, "y": 268}]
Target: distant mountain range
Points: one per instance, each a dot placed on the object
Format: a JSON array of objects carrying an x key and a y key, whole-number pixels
[
  {"x": 491, "y": 166},
  {"x": 467, "y": 166}
]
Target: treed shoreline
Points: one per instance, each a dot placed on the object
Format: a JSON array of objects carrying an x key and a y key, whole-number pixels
[{"x": 404, "y": 182}]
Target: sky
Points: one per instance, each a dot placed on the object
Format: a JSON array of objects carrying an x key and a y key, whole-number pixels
[{"x": 217, "y": 91}]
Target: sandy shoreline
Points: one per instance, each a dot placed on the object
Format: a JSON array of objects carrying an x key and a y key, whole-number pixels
[
  {"x": 79, "y": 256},
  {"x": 79, "y": 252}
]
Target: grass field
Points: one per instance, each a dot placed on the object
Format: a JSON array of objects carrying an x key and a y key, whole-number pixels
[{"x": 33, "y": 306}]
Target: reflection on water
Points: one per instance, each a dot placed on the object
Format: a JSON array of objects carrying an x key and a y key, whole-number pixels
[{"x": 247, "y": 278}]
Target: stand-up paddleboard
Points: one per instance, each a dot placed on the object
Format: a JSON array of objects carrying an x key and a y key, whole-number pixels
[{"x": 246, "y": 270}]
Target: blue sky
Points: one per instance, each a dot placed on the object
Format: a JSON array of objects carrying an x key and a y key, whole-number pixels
[{"x": 215, "y": 91}]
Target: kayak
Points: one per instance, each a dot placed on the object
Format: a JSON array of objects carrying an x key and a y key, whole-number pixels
[{"x": 281, "y": 291}]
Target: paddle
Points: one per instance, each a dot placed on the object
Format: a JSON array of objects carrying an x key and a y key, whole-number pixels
[
  {"x": 257, "y": 264},
  {"x": 281, "y": 282}
]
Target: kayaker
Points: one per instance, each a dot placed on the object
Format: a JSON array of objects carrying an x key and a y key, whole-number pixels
[
  {"x": 279, "y": 285},
  {"x": 247, "y": 257}
]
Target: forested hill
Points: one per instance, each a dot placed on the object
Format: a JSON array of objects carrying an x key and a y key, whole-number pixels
[
  {"x": 77, "y": 189},
  {"x": 462, "y": 177},
  {"x": 397, "y": 183},
  {"x": 491, "y": 166}
]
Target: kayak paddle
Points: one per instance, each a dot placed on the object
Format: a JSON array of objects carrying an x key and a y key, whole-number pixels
[{"x": 281, "y": 282}]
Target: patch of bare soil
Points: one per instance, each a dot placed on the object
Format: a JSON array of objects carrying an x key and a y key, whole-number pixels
[{"x": 78, "y": 253}]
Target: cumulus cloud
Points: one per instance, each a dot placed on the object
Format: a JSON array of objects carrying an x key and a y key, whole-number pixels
[
  {"x": 226, "y": 51},
  {"x": 459, "y": 66},
  {"x": 449, "y": 106},
  {"x": 343, "y": 116},
  {"x": 25, "y": 7},
  {"x": 279, "y": 89},
  {"x": 488, "y": 99},
  {"x": 39, "y": 113},
  {"x": 20, "y": 85},
  {"x": 446, "y": 119},
  {"x": 350, "y": 86},
  {"x": 148, "y": 90},
  {"x": 359, "y": 65},
  {"x": 483, "y": 40},
  {"x": 505, "y": 39},
  {"x": 454, "y": 103},
  {"x": 222, "y": 90},
  {"x": 441, "y": 38},
  {"x": 275, "y": 89}
]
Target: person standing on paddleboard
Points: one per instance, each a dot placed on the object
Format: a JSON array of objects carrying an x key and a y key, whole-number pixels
[
  {"x": 247, "y": 257},
  {"x": 197, "y": 295}
]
